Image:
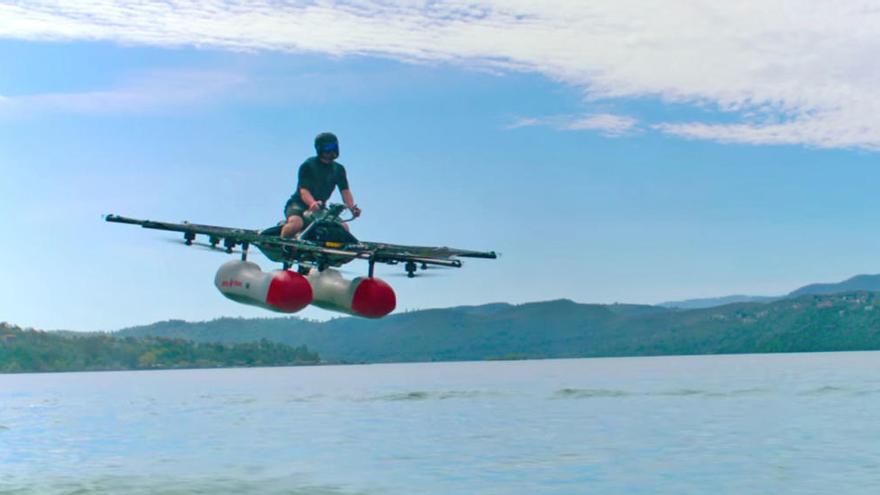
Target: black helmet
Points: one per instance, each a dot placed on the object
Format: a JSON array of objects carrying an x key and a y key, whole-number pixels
[{"x": 326, "y": 142}]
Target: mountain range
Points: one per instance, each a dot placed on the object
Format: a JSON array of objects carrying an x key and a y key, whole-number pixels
[
  {"x": 817, "y": 317},
  {"x": 561, "y": 329},
  {"x": 857, "y": 283}
]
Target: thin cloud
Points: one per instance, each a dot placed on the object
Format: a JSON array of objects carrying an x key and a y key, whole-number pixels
[
  {"x": 521, "y": 122},
  {"x": 148, "y": 92},
  {"x": 808, "y": 64},
  {"x": 852, "y": 131},
  {"x": 604, "y": 123}
]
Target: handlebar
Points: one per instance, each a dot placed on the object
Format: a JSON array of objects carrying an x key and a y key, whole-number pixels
[{"x": 332, "y": 211}]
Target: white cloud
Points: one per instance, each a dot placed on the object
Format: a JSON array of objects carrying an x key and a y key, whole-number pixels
[
  {"x": 149, "y": 92},
  {"x": 814, "y": 131},
  {"x": 852, "y": 124},
  {"x": 604, "y": 123},
  {"x": 809, "y": 64},
  {"x": 524, "y": 122}
]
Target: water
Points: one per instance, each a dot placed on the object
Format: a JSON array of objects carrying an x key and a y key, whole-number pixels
[{"x": 798, "y": 423}]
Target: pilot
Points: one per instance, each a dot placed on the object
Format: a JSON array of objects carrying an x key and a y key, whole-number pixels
[{"x": 317, "y": 178}]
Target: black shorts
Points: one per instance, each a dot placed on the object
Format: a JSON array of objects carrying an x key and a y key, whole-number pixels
[{"x": 293, "y": 207}]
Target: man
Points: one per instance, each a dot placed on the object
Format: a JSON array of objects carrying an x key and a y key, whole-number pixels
[{"x": 317, "y": 178}]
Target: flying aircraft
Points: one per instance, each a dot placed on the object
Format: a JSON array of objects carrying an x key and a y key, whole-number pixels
[{"x": 324, "y": 244}]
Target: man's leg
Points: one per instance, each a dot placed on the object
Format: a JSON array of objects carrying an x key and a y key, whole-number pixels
[{"x": 293, "y": 226}]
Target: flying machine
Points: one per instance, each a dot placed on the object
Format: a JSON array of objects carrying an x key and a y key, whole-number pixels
[{"x": 317, "y": 251}]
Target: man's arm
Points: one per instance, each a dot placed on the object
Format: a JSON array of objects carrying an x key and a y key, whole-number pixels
[
  {"x": 348, "y": 199},
  {"x": 309, "y": 200},
  {"x": 306, "y": 181}
]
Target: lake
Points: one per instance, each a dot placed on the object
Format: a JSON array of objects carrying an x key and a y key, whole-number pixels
[{"x": 792, "y": 423}]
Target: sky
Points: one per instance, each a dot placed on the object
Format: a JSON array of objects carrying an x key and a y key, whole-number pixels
[{"x": 624, "y": 151}]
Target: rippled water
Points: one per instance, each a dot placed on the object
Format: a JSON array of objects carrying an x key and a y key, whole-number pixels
[{"x": 798, "y": 423}]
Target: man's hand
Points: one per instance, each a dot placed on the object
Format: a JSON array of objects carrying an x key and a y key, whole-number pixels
[
  {"x": 315, "y": 206},
  {"x": 355, "y": 210}
]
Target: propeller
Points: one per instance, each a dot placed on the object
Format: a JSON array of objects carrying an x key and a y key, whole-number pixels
[
  {"x": 415, "y": 275},
  {"x": 413, "y": 269},
  {"x": 202, "y": 245},
  {"x": 425, "y": 266}
]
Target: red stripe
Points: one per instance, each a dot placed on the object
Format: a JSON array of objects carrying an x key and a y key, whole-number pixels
[
  {"x": 289, "y": 292},
  {"x": 373, "y": 298}
]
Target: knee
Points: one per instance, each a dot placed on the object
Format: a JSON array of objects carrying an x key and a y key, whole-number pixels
[
  {"x": 294, "y": 224},
  {"x": 294, "y": 221}
]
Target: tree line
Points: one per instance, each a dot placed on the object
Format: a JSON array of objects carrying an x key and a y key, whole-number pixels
[{"x": 28, "y": 350}]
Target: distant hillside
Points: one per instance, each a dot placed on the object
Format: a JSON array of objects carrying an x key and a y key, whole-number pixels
[
  {"x": 562, "y": 328},
  {"x": 711, "y": 302},
  {"x": 857, "y": 283},
  {"x": 27, "y": 350}
]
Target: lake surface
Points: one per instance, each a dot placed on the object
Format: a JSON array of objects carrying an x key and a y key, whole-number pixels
[{"x": 796, "y": 423}]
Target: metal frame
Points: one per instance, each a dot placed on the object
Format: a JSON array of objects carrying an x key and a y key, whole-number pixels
[{"x": 307, "y": 252}]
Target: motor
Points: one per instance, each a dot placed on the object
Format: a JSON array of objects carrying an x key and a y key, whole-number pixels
[
  {"x": 368, "y": 297},
  {"x": 282, "y": 290}
]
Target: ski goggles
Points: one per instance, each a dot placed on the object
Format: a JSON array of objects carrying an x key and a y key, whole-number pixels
[{"x": 329, "y": 148}]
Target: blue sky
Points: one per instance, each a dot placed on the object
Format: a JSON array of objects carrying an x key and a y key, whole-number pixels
[{"x": 609, "y": 152}]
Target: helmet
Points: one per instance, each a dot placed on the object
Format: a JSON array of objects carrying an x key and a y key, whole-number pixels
[{"x": 326, "y": 141}]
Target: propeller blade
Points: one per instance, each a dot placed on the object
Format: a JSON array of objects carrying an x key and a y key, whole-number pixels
[
  {"x": 416, "y": 275},
  {"x": 202, "y": 245}
]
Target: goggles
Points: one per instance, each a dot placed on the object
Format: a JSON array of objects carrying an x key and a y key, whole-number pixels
[{"x": 329, "y": 148}]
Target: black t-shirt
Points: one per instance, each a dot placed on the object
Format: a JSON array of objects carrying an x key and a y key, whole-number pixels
[{"x": 320, "y": 179}]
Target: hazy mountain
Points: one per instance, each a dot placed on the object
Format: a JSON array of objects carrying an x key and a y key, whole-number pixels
[
  {"x": 711, "y": 302},
  {"x": 563, "y": 328},
  {"x": 857, "y": 283}
]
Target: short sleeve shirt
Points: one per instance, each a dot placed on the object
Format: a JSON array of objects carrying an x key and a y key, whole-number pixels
[{"x": 320, "y": 179}]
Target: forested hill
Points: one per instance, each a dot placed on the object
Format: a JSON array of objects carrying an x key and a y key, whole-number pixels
[
  {"x": 26, "y": 350},
  {"x": 869, "y": 283},
  {"x": 563, "y": 328}
]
